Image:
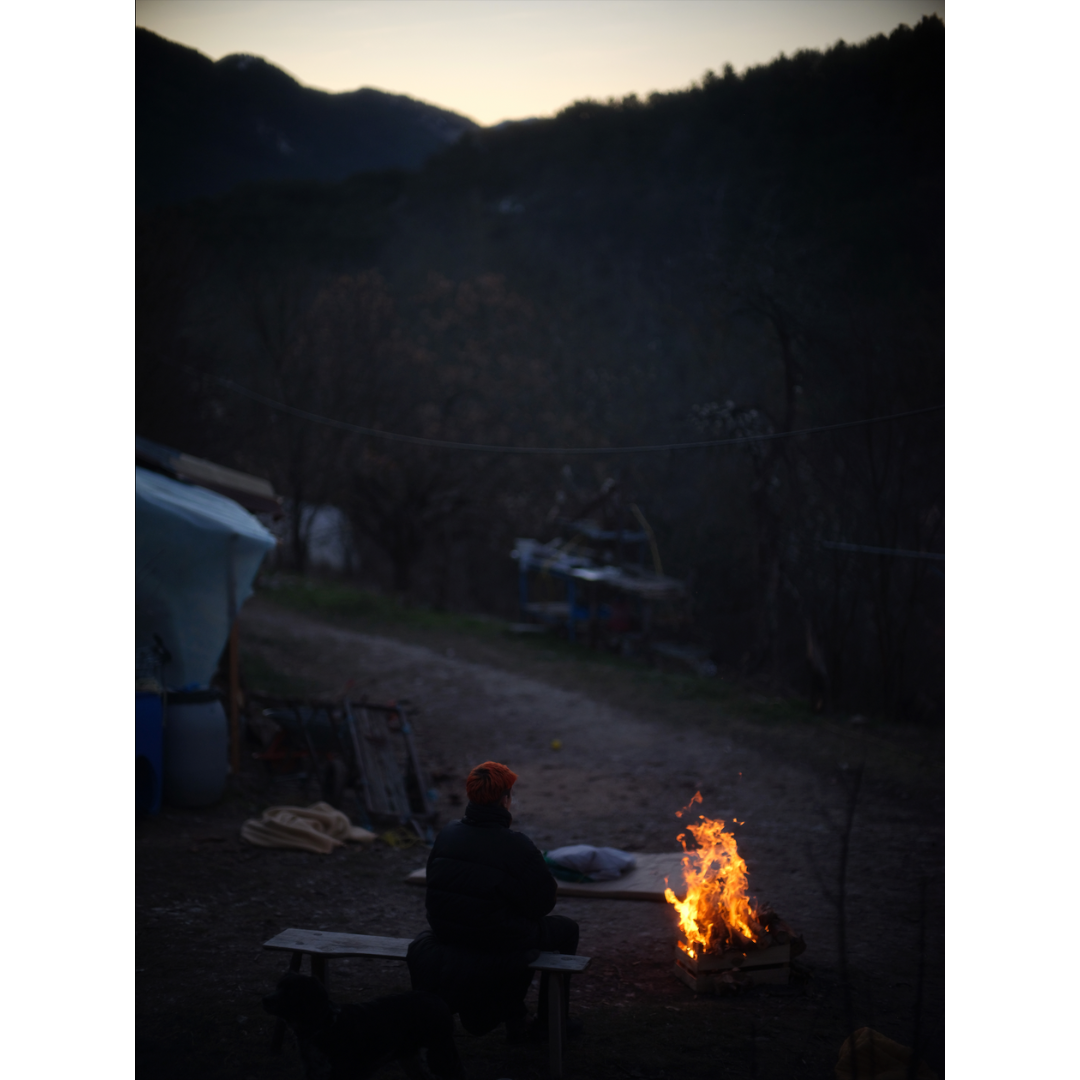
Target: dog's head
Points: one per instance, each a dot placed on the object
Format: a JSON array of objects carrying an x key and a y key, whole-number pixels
[{"x": 301, "y": 1001}]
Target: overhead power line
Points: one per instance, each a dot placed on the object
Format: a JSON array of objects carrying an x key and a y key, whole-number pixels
[
  {"x": 485, "y": 448},
  {"x": 838, "y": 545}
]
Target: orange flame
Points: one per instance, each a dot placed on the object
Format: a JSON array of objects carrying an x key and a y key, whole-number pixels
[{"x": 717, "y": 914}]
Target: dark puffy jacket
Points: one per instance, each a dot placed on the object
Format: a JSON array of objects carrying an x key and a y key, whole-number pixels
[{"x": 488, "y": 887}]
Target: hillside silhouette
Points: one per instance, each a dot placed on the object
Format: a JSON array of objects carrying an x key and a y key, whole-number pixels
[
  {"x": 202, "y": 127},
  {"x": 755, "y": 254}
]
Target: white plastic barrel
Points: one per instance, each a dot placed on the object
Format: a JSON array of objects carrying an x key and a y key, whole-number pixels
[{"x": 196, "y": 748}]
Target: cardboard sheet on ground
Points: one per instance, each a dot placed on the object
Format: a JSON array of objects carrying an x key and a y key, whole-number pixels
[{"x": 644, "y": 882}]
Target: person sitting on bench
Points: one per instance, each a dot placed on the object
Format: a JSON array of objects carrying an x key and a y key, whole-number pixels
[{"x": 489, "y": 892}]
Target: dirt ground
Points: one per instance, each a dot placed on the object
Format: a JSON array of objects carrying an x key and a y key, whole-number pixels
[{"x": 633, "y": 752}]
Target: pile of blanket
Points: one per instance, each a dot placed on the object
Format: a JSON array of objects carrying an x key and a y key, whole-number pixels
[{"x": 319, "y": 828}]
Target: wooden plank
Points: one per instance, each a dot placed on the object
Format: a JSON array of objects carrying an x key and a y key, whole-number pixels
[
  {"x": 325, "y": 943},
  {"x": 379, "y": 801},
  {"x": 712, "y": 982},
  {"x": 389, "y": 786},
  {"x": 644, "y": 882},
  {"x": 358, "y": 757},
  {"x": 414, "y": 761},
  {"x": 556, "y": 1029},
  {"x": 394, "y": 782},
  {"x": 774, "y": 954},
  {"x": 565, "y": 962}
]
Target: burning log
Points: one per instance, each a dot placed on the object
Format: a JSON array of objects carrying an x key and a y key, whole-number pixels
[{"x": 726, "y": 940}]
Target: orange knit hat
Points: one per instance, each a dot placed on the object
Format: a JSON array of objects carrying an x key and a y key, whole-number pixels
[{"x": 489, "y": 782}]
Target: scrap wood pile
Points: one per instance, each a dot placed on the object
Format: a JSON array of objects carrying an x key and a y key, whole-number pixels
[
  {"x": 772, "y": 930},
  {"x": 370, "y": 748}
]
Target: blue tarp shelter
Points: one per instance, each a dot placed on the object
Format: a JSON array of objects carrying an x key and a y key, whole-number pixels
[{"x": 196, "y": 556}]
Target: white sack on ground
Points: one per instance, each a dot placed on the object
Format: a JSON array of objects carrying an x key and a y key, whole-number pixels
[
  {"x": 196, "y": 556},
  {"x": 601, "y": 864},
  {"x": 319, "y": 828}
]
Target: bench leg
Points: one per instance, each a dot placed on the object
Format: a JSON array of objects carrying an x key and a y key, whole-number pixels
[
  {"x": 556, "y": 1022},
  {"x": 318, "y": 968},
  {"x": 279, "y": 1027}
]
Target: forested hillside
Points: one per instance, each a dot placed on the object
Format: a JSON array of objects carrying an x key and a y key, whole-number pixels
[
  {"x": 204, "y": 127},
  {"x": 756, "y": 254}
]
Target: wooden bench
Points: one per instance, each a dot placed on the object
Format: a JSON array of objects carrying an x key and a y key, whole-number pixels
[{"x": 322, "y": 945}]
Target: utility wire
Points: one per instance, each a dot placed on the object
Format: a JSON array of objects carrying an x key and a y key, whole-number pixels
[
  {"x": 838, "y": 545},
  {"x": 484, "y": 448}
]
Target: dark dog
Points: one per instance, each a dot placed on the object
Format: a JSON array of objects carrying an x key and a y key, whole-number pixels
[{"x": 349, "y": 1042}]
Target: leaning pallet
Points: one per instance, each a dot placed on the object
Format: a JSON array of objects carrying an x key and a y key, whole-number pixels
[{"x": 367, "y": 746}]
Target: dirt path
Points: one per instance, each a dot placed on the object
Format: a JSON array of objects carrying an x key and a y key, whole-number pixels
[{"x": 619, "y": 777}]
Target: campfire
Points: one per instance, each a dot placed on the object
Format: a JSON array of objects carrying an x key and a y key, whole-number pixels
[{"x": 726, "y": 939}]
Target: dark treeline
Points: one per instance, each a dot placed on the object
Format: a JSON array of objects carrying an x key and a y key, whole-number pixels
[
  {"x": 203, "y": 126},
  {"x": 759, "y": 253}
]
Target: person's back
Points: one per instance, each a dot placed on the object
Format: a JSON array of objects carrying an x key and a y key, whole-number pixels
[
  {"x": 488, "y": 887},
  {"x": 489, "y": 892}
]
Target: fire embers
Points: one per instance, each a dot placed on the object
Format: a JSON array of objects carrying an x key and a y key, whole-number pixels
[{"x": 727, "y": 939}]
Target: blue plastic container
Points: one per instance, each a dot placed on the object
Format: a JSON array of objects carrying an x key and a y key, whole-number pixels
[
  {"x": 196, "y": 748},
  {"x": 149, "y": 752}
]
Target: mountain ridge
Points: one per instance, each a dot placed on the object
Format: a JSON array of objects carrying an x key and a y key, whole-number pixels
[{"x": 203, "y": 127}]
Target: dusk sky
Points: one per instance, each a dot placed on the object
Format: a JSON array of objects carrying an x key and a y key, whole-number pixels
[{"x": 495, "y": 60}]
